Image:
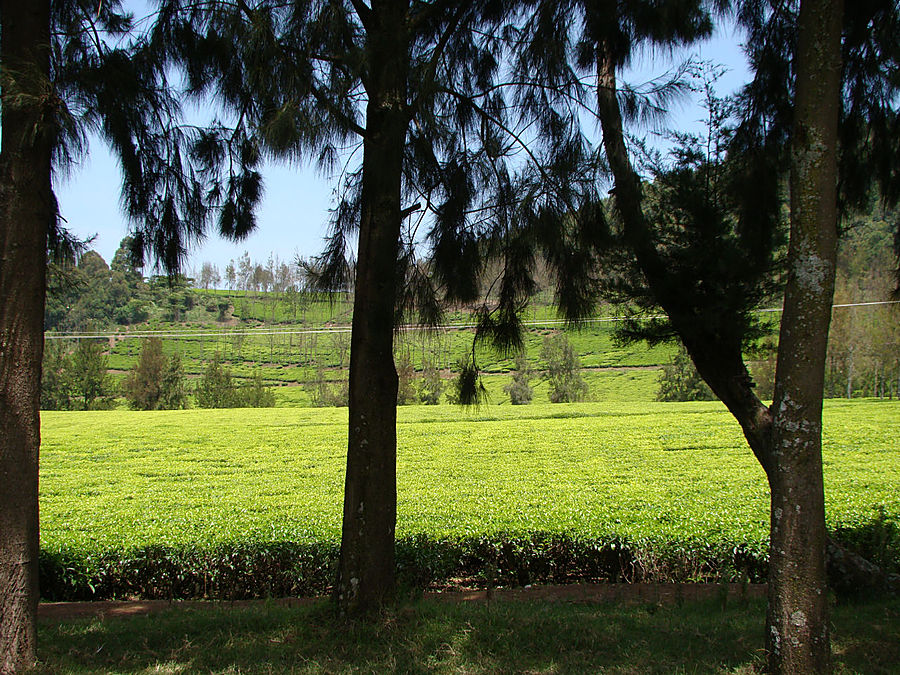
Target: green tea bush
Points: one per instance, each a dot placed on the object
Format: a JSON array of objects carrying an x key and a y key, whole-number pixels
[
  {"x": 290, "y": 569},
  {"x": 224, "y": 503}
]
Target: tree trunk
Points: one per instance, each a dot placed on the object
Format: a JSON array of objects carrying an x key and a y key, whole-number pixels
[
  {"x": 850, "y": 374},
  {"x": 797, "y": 638},
  {"x": 786, "y": 439},
  {"x": 26, "y": 210},
  {"x": 366, "y": 568},
  {"x": 720, "y": 364}
]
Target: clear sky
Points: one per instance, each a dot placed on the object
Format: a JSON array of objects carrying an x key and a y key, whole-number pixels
[{"x": 293, "y": 216}]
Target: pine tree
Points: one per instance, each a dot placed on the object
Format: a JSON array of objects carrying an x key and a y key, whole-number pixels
[
  {"x": 707, "y": 302},
  {"x": 27, "y": 140},
  {"x": 410, "y": 83},
  {"x": 68, "y": 67}
]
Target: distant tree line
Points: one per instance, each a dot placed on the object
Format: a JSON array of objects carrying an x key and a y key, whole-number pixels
[
  {"x": 85, "y": 293},
  {"x": 78, "y": 379}
]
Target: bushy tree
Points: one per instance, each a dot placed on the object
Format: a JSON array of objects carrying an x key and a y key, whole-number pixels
[
  {"x": 431, "y": 385},
  {"x": 563, "y": 370},
  {"x": 156, "y": 382},
  {"x": 255, "y": 394},
  {"x": 519, "y": 389},
  {"x": 406, "y": 372},
  {"x": 325, "y": 393},
  {"x": 56, "y": 378},
  {"x": 215, "y": 389},
  {"x": 218, "y": 389},
  {"x": 90, "y": 382},
  {"x": 680, "y": 381}
]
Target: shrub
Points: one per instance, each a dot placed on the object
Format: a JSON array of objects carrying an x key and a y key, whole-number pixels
[
  {"x": 156, "y": 382},
  {"x": 56, "y": 378},
  {"x": 256, "y": 395},
  {"x": 680, "y": 381},
  {"x": 216, "y": 388},
  {"x": 260, "y": 569},
  {"x": 519, "y": 389},
  {"x": 563, "y": 370},
  {"x": 431, "y": 386},
  {"x": 406, "y": 387},
  {"x": 325, "y": 394}
]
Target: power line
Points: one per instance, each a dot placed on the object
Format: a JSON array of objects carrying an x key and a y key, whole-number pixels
[{"x": 96, "y": 335}]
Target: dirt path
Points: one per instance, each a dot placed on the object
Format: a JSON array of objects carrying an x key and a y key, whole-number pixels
[{"x": 579, "y": 593}]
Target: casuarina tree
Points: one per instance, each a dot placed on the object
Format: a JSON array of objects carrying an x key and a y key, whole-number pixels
[
  {"x": 408, "y": 85},
  {"x": 66, "y": 69},
  {"x": 704, "y": 254},
  {"x": 26, "y": 216}
]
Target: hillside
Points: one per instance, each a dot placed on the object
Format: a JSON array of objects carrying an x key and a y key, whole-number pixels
[{"x": 298, "y": 342}]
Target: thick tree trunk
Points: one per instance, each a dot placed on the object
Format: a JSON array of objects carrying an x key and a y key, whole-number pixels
[
  {"x": 25, "y": 216},
  {"x": 797, "y": 637},
  {"x": 366, "y": 576}
]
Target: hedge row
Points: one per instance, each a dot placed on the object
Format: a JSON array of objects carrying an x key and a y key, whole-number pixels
[{"x": 284, "y": 569}]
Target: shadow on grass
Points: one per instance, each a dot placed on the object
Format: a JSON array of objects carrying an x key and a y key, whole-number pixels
[{"x": 429, "y": 637}]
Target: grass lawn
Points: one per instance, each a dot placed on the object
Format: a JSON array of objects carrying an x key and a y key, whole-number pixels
[{"x": 432, "y": 637}]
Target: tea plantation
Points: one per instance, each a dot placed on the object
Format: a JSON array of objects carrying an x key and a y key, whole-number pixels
[{"x": 242, "y": 503}]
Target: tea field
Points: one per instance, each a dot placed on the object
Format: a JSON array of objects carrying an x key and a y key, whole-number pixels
[{"x": 248, "y": 502}]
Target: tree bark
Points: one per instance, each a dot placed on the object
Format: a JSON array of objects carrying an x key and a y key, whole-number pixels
[
  {"x": 786, "y": 439},
  {"x": 26, "y": 210},
  {"x": 797, "y": 639},
  {"x": 366, "y": 575}
]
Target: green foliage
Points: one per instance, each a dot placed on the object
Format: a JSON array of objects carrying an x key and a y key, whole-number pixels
[
  {"x": 90, "y": 383},
  {"x": 93, "y": 294},
  {"x": 431, "y": 385},
  {"x": 406, "y": 388},
  {"x": 56, "y": 378},
  {"x": 540, "y": 491},
  {"x": 156, "y": 382},
  {"x": 468, "y": 389},
  {"x": 256, "y": 395},
  {"x": 680, "y": 381},
  {"x": 216, "y": 388},
  {"x": 519, "y": 389},
  {"x": 563, "y": 370},
  {"x": 325, "y": 393},
  {"x": 762, "y": 361}
]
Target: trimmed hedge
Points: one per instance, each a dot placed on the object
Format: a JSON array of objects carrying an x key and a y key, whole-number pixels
[{"x": 284, "y": 569}]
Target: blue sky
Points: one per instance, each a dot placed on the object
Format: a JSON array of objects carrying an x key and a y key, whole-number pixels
[{"x": 293, "y": 216}]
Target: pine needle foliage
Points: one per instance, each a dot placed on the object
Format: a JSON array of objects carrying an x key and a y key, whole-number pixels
[
  {"x": 869, "y": 155},
  {"x": 110, "y": 80},
  {"x": 294, "y": 80}
]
